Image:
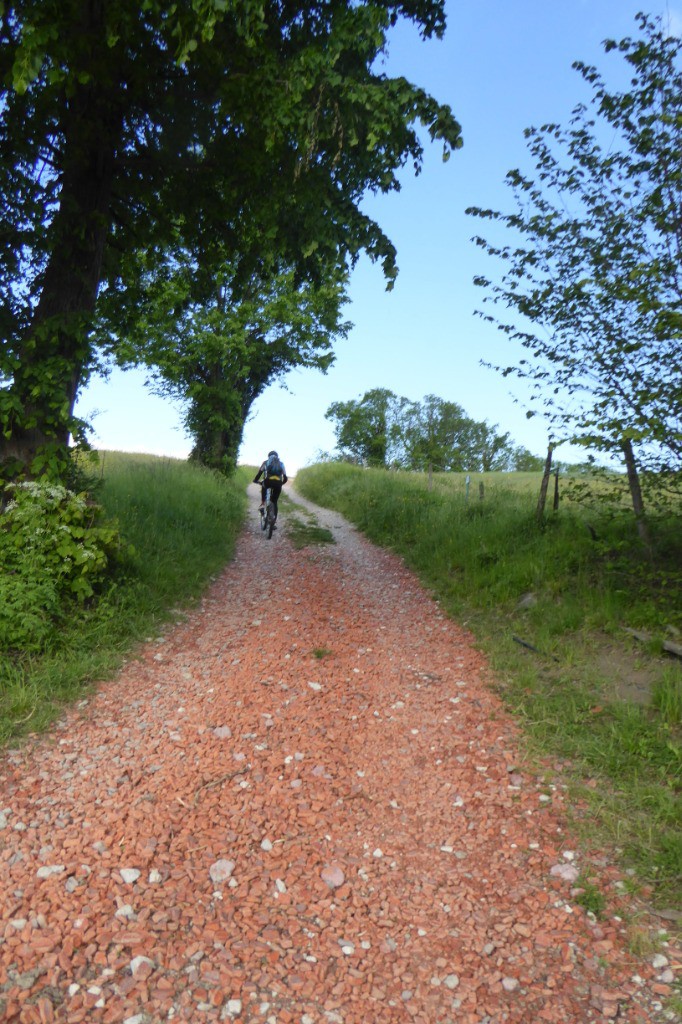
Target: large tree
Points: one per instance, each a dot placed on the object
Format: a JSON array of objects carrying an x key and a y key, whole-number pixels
[
  {"x": 594, "y": 270},
  {"x": 439, "y": 435},
  {"x": 256, "y": 126},
  {"x": 219, "y": 351},
  {"x": 370, "y": 429}
]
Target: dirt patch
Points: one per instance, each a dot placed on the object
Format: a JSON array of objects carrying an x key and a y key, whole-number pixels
[
  {"x": 626, "y": 673},
  {"x": 239, "y": 829}
]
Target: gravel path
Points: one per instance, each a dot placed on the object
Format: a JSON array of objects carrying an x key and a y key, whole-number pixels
[{"x": 301, "y": 804}]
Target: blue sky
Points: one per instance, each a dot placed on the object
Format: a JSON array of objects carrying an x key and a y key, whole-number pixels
[{"x": 503, "y": 65}]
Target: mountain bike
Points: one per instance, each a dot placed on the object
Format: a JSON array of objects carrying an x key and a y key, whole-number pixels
[{"x": 268, "y": 514}]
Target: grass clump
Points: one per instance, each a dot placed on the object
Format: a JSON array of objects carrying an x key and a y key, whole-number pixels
[
  {"x": 568, "y": 586},
  {"x": 589, "y": 896},
  {"x": 307, "y": 531},
  {"x": 173, "y": 525}
]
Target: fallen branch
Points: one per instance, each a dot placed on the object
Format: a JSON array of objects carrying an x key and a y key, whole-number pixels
[
  {"x": 524, "y": 643},
  {"x": 646, "y": 638}
]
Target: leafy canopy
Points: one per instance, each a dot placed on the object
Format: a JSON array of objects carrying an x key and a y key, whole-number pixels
[{"x": 248, "y": 131}]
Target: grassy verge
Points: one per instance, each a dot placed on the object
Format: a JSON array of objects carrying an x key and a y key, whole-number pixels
[
  {"x": 549, "y": 605},
  {"x": 182, "y": 522}
]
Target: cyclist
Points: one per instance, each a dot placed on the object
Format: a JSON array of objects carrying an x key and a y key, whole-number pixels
[{"x": 274, "y": 476}]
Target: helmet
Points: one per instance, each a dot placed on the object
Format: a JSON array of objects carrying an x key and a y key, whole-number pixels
[{"x": 273, "y": 453}]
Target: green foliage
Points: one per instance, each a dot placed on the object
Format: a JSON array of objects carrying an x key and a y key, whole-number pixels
[
  {"x": 219, "y": 350},
  {"x": 55, "y": 549},
  {"x": 182, "y": 522},
  {"x": 190, "y": 137},
  {"x": 667, "y": 696},
  {"x": 589, "y": 896},
  {"x": 368, "y": 429},
  {"x": 569, "y": 596},
  {"x": 382, "y": 429},
  {"x": 593, "y": 267}
]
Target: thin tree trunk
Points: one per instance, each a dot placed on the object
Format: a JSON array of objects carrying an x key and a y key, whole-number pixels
[
  {"x": 635, "y": 491},
  {"x": 542, "y": 500}
]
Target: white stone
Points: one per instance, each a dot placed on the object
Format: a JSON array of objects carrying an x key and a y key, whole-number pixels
[
  {"x": 155, "y": 877},
  {"x": 221, "y": 870},
  {"x": 138, "y": 961},
  {"x": 660, "y": 961},
  {"x": 54, "y": 869},
  {"x": 451, "y": 982},
  {"x": 129, "y": 875},
  {"x": 510, "y": 984},
  {"x": 568, "y": 872}
]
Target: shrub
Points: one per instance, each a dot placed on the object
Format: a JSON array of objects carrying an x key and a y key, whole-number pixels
[{"x": 55, "y": 550}]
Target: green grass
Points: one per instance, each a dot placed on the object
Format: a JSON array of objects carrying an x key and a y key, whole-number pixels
[
  {"x": 302, "y": 532},
  {"x": 182, "y": 522},
  {"x": 569, "y": 587}
]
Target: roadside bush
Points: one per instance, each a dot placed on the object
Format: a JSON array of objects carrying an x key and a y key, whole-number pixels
[{"x": 55, "y": 551}]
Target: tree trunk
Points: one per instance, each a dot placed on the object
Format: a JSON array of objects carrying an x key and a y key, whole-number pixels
[
  {"x": 542, "y": 500},
  {"x": 57, "y": 350},
  {"x": 635, "y": 491}
]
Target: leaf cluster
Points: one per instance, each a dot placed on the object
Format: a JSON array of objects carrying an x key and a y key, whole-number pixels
[{"x": 56, "y": 551}]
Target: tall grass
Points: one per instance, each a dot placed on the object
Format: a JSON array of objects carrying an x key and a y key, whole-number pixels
[
  {"x": 182, "y": 522},
  {"x": 567, "y": 587}
]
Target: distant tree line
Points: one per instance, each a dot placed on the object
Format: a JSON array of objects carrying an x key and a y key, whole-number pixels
[{"x": 385, "y": 430}]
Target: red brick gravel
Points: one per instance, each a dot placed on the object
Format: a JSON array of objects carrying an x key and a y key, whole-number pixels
[{"x": 301, "y": 804}]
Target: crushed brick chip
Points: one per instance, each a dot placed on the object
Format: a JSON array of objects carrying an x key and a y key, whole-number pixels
[{"x": 212, "y": 837}]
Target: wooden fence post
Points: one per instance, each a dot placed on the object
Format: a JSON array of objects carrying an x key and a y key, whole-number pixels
[
  {"x": 635, "y": 491},
  {"x": 542, "y": 500}
]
